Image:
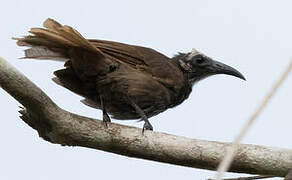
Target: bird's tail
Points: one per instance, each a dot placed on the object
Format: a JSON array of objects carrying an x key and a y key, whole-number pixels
[{"x": 53, "y": 41}]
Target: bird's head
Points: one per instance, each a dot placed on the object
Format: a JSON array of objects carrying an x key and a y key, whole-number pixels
[{"x": 199, "y": 66}]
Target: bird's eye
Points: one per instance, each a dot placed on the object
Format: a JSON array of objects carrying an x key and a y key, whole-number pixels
[{"x": 200, "y": 60}]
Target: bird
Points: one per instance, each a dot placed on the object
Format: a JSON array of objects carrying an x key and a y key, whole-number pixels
[{"x": 126, "y": 82}]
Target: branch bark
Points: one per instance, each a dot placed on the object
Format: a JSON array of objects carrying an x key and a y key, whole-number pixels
[{"x": 61, "y": 127}]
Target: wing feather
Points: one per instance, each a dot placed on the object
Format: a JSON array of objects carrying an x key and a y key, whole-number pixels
[{"x": 159, "y": 66}]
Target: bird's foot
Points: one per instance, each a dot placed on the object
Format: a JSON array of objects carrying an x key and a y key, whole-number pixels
[
  {"x": 106, "y": 119},
  {"x": 147, "y": 126}
]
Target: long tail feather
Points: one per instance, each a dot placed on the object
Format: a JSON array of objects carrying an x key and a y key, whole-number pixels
[
  {"x": 52, "y": 42},
  {"x": 43, "y": 53}
]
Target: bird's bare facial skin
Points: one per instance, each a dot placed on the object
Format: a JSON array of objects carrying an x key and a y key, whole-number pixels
[
  {"x": 199, "y": 64},
  {"x": 200, "y": 60}
]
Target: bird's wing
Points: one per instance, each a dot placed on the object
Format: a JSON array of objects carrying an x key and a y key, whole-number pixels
[
  {"x": 129, "y": 54},
  {"x": 159, "y": 66}
]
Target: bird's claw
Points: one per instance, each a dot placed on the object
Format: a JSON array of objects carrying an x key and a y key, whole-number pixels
[
  {"x": 147, "y": 126},
  {"x": 106, "y": 119}
]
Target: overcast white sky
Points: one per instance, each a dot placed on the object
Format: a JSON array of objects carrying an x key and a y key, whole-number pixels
[{"x": 252, "y": 36}]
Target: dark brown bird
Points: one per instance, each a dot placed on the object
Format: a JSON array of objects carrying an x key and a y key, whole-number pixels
[{"x": 125, "y": 81}]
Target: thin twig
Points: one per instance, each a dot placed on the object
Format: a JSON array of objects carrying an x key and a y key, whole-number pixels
[
  {"x": 226, "y": 162},
  {"x": 248, "y": 177}
]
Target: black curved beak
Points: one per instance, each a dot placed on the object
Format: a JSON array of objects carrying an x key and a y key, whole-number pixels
[{"x": 221, "y": 68}]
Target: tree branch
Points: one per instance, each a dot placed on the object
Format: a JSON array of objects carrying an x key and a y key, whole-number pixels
[{"x": 61, "y": 127}]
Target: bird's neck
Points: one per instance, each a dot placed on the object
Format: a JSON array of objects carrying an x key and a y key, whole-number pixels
[
  {"x": 183, "y": 93},
  {"x": 176, "y": 58}
]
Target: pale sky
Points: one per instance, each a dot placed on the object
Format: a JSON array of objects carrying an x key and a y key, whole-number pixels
[{"x": 252, "y": 36}]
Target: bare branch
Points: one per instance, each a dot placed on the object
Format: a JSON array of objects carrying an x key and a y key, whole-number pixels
[{"x": 59, "y": 126}]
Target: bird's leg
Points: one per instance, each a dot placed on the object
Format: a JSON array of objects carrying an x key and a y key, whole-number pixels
[
  {"x": 105, "y": 117},
  {"x": 147, "y": 125}
]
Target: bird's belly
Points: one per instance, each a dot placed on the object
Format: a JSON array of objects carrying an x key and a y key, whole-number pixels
[
  {"x": 118, "y": 90},
  {"x": 120, "y": 108}
]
